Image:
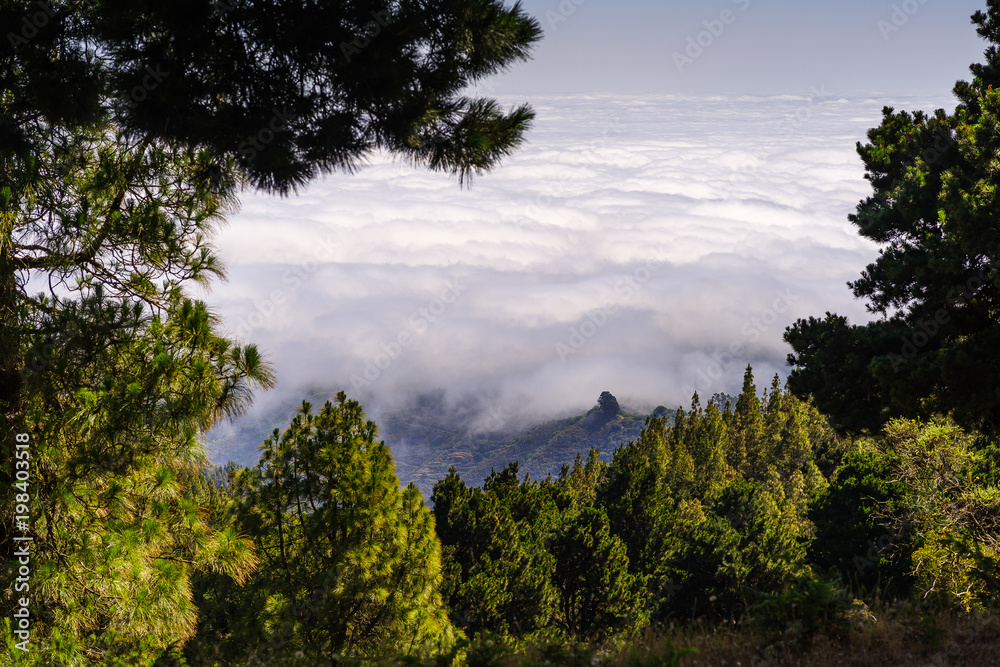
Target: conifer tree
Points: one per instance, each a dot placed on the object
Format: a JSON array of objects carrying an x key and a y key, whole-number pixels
[
  {"x": 288, "y": 89},
  {"x": 635, "y": 495},
  {"x": 747, "y": 430},
  {"x": 608, "y": 404},
  {"x": 935, "y": 286},
  {"x": 494, "y": 540},
  {"x": 121, "y": 372},
  {"x": 350, "y": 564},
  {"x": 775, "y": 417},
  {"x": 709, "y": 442},
  {"x": 128, "y": 129},
  {"x": 583, "y": 479},
  {"x": 598, "y": 597},
  {"x": 679, "y": 466},
  {"x": 744, "y": 546}
]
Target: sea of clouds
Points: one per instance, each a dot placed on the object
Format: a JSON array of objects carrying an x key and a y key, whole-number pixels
[{"x": 650, "y": 246}]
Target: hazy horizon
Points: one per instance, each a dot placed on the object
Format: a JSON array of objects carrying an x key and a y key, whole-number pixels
[
  {"x": 645, "y": 245},
  {"x": 649, "y": 244}
]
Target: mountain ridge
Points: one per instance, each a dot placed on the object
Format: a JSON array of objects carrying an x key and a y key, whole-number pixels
[{"x": 429, "y": 435}]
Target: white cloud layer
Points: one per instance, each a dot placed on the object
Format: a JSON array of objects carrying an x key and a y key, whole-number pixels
[{"x": 644, "y": 245}]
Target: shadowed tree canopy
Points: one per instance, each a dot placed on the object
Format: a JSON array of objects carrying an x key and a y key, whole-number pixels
[
  {"x": 935, "y": 285},
  {"x": 289, "y": 88},
  {"x": 267, "y": 94}
]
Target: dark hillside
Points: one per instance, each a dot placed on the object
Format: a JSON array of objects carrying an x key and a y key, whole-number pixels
[{"x": 428, "y": 435}]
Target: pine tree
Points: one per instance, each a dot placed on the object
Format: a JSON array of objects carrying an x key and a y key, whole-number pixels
[
  {"x": 495, "y": 545},
  {"x": 634, "y": 494},
  {"x": 775, "y": 417},
  {"x": 114, "y": 171},
  {"x": 350, "y": 564},
  {"x": 227, "y": 77},
  {"x": 123, "y": 370},
  {"x": 747, "y": 431},
  {"x": 679, "y": 466},
  {"x": 584, "y": 478},
  {"x": 608, "y": 404},
  {"x": 935, "y": 285},
  {"x": 709, "y": 442},
  {"x": 744, "y": 546},
  {"x": 598, "y": 597}
]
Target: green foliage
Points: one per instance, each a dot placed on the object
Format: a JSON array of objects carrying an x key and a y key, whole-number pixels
[
  {"x": 112, "y": 200},
  {"x": 350, "y": 564},
  {"x": 582, "y": 481},
  {"x": 58, "y": 648},
  {"x": 498, "y": 572},
  {"x": 598, "y": 597},
  {"x": 445, "y": 434},
  {"x": 544, "y": 449},
  {"x": 219, "y": 476},
  {"x": 744, "y": 545},
  {"x": 981, "y": 576},
  {"x": 746, "y": 443},
  {"x": 715, "y": 505},
  {"x": 956, "y": 516},
  {"x": 634, "y": 493},
  {"x": 189, "y": 74},
  {"x": 851, "y": 537},
  {"x": 608, "y": 404},
  {"x": 910, "y": 512},
  {"x": 707, "y": 443},
  {"x": 806, "y": 608},
  {"x": 522, "y": 557},
  {"x": 669, "y": 529},
  {"x": 117, "y": 535},
  {"x": 118, "y": 370},
  {"x": 316, "y": 554},
  {"x": 935, "y": 283}
]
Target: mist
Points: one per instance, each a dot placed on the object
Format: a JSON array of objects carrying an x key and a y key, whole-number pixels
[{"x": 651, "y": 246}]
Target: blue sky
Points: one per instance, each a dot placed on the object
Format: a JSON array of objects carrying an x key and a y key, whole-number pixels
[{"x": 768, "y": 46}]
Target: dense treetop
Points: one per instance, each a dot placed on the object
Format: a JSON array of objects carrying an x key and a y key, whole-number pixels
[
  {"x": 289, "y": 89},
  {"x": 936, "y": 283}
]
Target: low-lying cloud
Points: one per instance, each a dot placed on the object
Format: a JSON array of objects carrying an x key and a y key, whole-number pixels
[{"x": 648, "y": 246}]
